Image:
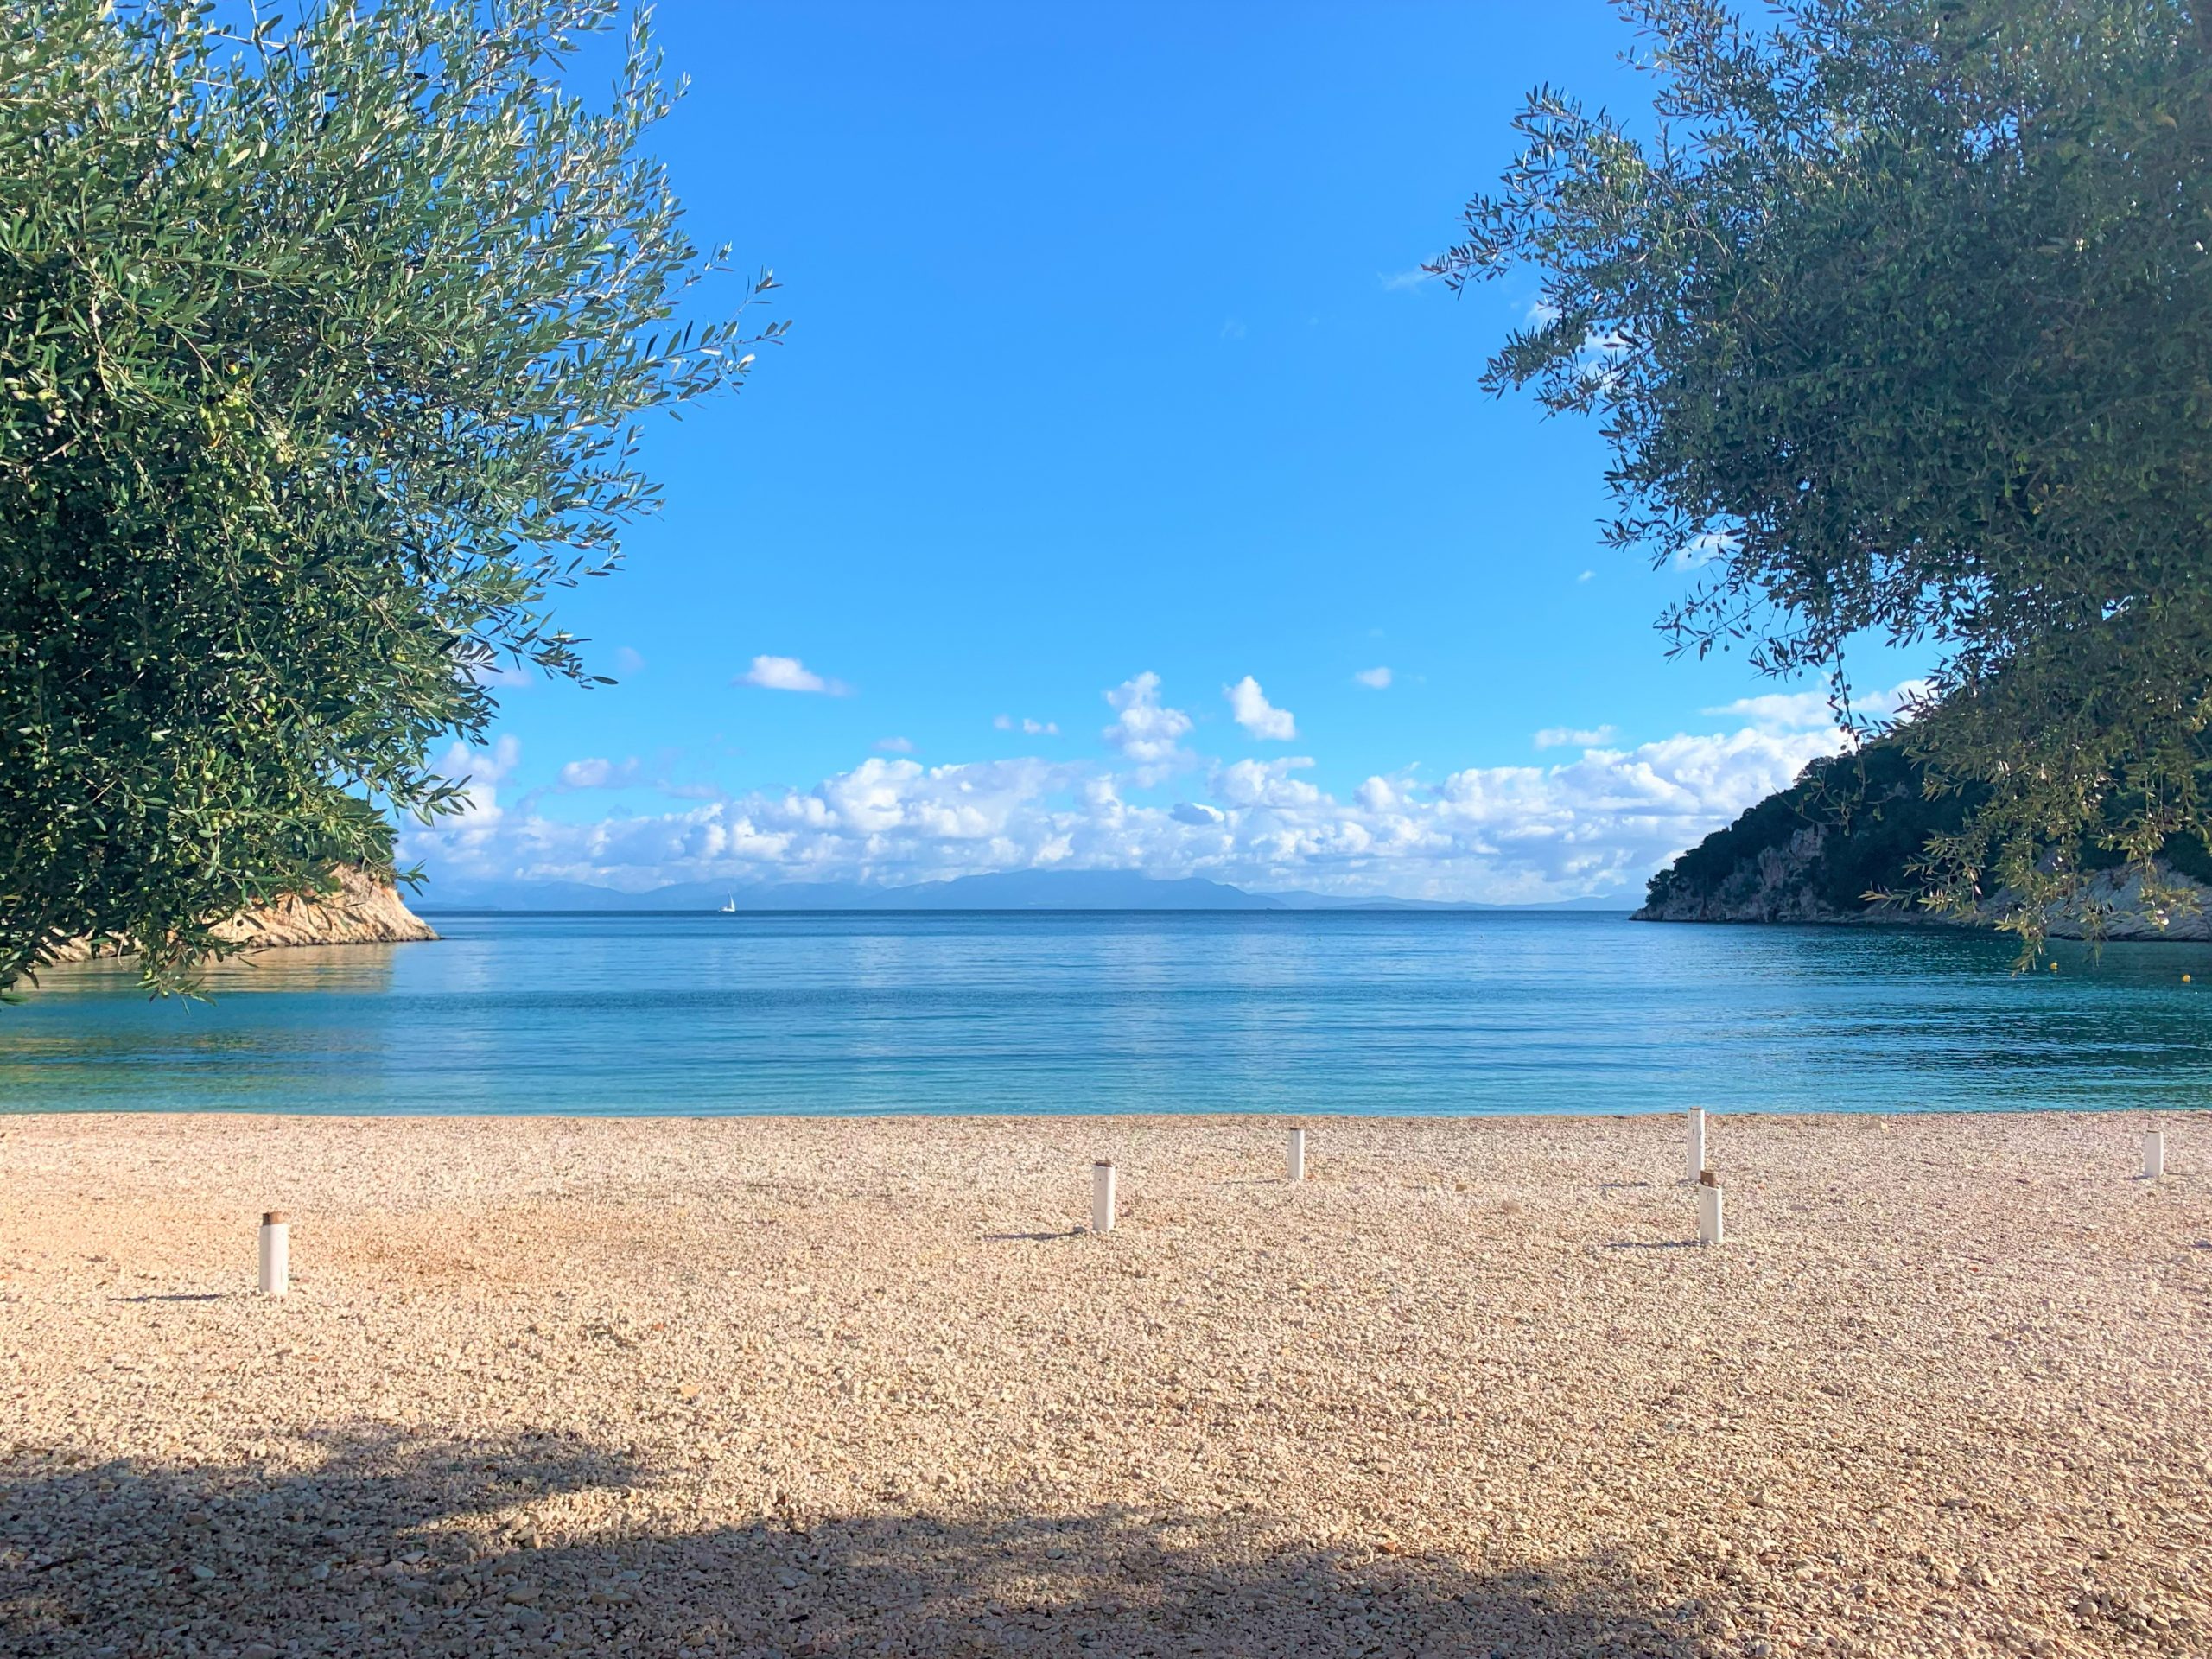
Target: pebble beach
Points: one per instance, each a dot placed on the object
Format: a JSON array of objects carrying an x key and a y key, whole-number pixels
[{"x": 783, "y": 1386}]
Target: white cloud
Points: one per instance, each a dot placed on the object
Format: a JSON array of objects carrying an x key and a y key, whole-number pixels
[
  {"x": 896, "y": 745},
  {"x": 1562, "y": 737},
  {"x": 627, "y": 661},
  {"x": 1585, "y": 576},
  {"x": 1786, "y": 710},
  {"x": 1598, "y": 824},
  {"x": 479, "y": 773},
  {"x": 1810, "y": 711},
  {"x": 1904, "y": 697},
  {"x": 598, "y": 773},
  {"x": 1376, "y": 679},
  {"x": 789, "y": 674},
  {"x": 1147, "y": 732},
  {"x": 1265, "y": 782},
  {"x": 1252, "y": 710},
  {"x": 1401, "y": 281},
  {"x": 484, "y": 767},
  {"x": 1704, "y": 549},
  {"x": 1033, "y": 727}
]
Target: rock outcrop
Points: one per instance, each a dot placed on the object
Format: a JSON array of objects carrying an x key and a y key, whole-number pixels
[
  {"x": 1773, "y": 883},
  {"x": 365, "y": 909},
  {"x": 1853, "y": 826},
  {"x": 1780, "y": 884}
]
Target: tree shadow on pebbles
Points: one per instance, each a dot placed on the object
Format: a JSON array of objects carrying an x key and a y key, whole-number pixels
[{"x": 386, "y": 1548}]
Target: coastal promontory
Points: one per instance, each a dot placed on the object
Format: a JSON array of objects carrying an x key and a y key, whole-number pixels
[
  {"x": 364, "y": 908},
  {"x": 1840, "y": 847}
]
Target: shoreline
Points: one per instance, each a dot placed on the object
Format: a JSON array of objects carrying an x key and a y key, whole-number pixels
[
  {"x": 1274, "y": 1116},
  {"x": 768, "y": 1385}
]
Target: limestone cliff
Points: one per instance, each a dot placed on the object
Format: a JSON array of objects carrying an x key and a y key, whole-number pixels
[{"x": 365, "y": 909}]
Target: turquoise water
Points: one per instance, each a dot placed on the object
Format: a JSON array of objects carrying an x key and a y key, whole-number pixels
[{"x": 1429, "y": 1012}]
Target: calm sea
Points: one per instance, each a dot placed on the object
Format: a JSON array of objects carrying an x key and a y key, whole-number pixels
[{"x": 1430, "y": 1012}]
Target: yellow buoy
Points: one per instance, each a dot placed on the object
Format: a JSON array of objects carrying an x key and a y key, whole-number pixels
[
  {"x": 2185, "y": 979},
  {"x": 2054, "y": 967}
]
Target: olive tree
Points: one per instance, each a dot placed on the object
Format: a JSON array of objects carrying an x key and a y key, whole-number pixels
[
  {"x": 323, "y": 345},
  {"x": 1897, "y": 314}
]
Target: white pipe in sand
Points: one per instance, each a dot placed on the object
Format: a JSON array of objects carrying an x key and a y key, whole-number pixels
[
  {"x": 275, "y": 1253},
  {"x": 1708, "y": 1210},
  {"x": 1695, "y": 1161},
  {"x": 2154, "y": 1154},
  {"x": 1296, "y": 1163},
  {"x": 1101, "y": 1197}
]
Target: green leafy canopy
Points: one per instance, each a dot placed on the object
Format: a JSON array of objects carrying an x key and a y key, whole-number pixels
[
  {"x": 322, "y": 348},
  {"x": 1899, "y": 316}
]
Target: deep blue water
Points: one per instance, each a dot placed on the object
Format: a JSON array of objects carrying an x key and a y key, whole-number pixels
[{"x": 1430, "y": 1012}]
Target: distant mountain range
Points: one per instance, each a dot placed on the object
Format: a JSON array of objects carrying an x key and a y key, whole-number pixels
[{"x": 1010, "y": 890}]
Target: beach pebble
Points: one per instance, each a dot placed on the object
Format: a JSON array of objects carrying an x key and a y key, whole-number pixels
[{"x": 752, "y": 1386}]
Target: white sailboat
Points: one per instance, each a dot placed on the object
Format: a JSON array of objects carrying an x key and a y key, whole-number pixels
[{"x": 730, "y": 908}]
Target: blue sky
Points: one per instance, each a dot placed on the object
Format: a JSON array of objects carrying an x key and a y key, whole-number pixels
[{"x": 1111, "y": 384}]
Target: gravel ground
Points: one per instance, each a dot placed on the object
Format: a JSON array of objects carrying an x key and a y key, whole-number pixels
[{"x": 809, "y": 1385}]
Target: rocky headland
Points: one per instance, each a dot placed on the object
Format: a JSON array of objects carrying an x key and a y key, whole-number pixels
[
  {"x": 366, "y": 909},
  {"x": 1850, "y": 829}
]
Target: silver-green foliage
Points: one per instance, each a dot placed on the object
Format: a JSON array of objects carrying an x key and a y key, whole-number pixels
[
  {"x": 322, "y": 352},
  {"x": 1901, "y": 312}
]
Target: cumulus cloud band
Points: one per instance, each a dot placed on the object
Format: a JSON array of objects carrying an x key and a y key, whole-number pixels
[{"x": 1597, "y": 823}]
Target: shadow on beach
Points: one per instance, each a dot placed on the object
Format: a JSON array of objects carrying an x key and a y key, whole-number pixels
[{"x": 386, "y": 1548}]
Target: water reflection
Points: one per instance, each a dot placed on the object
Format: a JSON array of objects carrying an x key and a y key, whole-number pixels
[
  {"x": 1412, "y": 1013},
  {"x": 360, "y": 969}
]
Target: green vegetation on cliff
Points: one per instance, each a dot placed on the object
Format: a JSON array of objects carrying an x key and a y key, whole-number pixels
[
  {"x": 1847, "y": 840},
  {"x": 1871, "y": 820}
]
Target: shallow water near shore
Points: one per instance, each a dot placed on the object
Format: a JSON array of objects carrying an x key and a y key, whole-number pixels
[{"x": 1419, "y": 1012}]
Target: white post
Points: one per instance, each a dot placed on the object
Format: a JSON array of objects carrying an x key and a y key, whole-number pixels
[
  {"x": 1101, "y": 1197},
  {"x": 1709, "y": 1210},
  {"x": 275, "y": 1253},
  {"x": 1297, "y": 1159},
  {"x": 2154, "y": 1154},
  {"x": 1695, "y": 1161}
]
